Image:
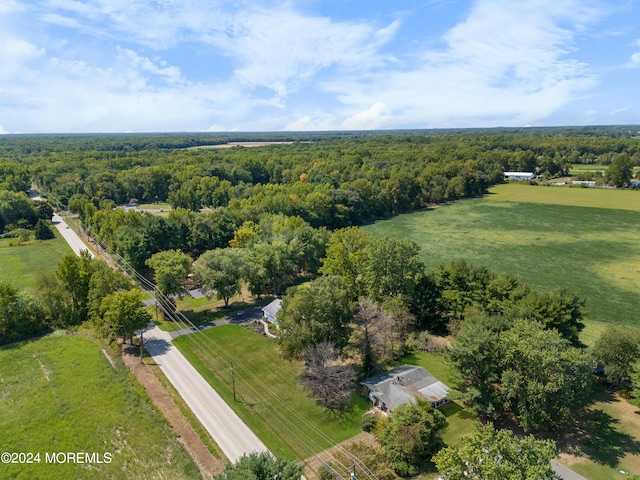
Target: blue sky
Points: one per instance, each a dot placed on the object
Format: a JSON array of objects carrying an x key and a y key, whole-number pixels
[{"x": 216, "y": 65}]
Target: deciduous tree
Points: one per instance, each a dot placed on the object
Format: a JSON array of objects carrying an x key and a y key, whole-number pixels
[
  {"x": 618, "y": 351},
  {"x": 410, "y": 437},
  {"x": 171, "y": 268},
  {"x": 314, "y": 312},
  {"x": 491, "y": 453},
  {"x": 221, "y": 271},
  {"x": 261, "y": 466}
]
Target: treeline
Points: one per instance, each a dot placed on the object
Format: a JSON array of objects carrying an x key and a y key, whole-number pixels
[{"x": 80, "y": 290}]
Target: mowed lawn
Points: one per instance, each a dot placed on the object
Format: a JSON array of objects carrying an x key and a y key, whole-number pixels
[
  {"x": 20, "y": 261},
  {"x": 269, "y": 396},
  {"x": 551, "y": 237},
  {"x": 59, "y": 394}
]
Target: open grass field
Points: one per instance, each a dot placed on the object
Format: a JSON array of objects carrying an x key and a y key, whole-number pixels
[
  {"x": 551, "y": 237},
  {"x": 60, "y": 394},
  {"x": 20, "y": 261},
  {"x": 270, "y": 398}
]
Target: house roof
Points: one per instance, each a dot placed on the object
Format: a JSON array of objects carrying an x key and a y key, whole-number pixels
[
  {"x": 404, "y": 383},
  {"x": 272, "y": 308}
]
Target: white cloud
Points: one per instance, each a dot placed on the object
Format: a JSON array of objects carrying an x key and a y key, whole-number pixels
[
  {"x": 373, "y": 118},
  {"x": 495, "y": 69},
  {"x": 634, "y": 62},
  {"x": 170, "y": 73},
  {"x": 3, "y": 131}
]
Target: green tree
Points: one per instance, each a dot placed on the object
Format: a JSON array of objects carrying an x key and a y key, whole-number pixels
[
  {"x": 261, "y": 466},
  {"x": 475, "y": 355},
  {"x": 491, "y": 453},
  {"x": 314, "y": 312},
  {"x": 121, "y": 314},
  {"x": 43, "y": 230},
  {"x": 245, "y": 234},
  {"x": 560, "y": 310},
  {"x": 390, "y": 267},
  {"x": 620, "y": 170},
  {"x": 343, "y": 257},
  {"x": 171, "y": 268},
  {"x": 544, "y": 379},
  {"x": 74, "y": 274},
  {"x": 277, "y": 260},
  {"x": 221, "y": 270},
  {"x": 51, "y": 296},
  {"x": 618, "y": 351},
  {"x": 20, "y": 315},
  {"x": 410, "y": 437}
]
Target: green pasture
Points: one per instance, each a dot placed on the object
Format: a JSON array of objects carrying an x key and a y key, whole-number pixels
[
  {"x": 552, "y": 237},
  {"x": 60, "y": 394},
  {"x": 21, "y": 260},
  {"x": 269, "y": 396}
]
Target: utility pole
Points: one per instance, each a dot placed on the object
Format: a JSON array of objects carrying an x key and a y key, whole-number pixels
[
  {"x": 233, "y": 382},
  {"x": 353, "y": 474}
]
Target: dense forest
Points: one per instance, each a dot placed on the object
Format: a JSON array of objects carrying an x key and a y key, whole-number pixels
[{"x": 268, "y": 217}]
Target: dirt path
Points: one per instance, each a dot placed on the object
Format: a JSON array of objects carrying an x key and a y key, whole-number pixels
[{"x": 207, "y": 463}]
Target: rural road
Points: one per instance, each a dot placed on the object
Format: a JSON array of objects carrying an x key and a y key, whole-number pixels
[
  {"x": 225, "y": 427},
  {"x": 74, "y": 241}
]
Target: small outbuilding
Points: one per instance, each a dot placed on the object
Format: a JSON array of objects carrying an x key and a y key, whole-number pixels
[
  {"x": 401, "y": 385},
  {"x": 270, "y": 311}
]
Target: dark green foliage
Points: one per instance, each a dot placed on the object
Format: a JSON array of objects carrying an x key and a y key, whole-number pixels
[
  {"x": 490, "y": 453},
  {"x": 74, "y": 274},
  {"x": 315, "y": 312},
  {"x": 618, "y": 351},
  {"x": 43, "y": 230},
  {"x": 522, "y": 368},
  {"x": 410, "y": 437},
  {"x": 121, "y": 314},
  {"x": 261, "y": 466},
  {"x": 368, "y": 421},
  {"x": 16, "y": 210},
  {"x": 474, "y": 354},
  {"x": 170, "y": 271},
  {"x": 20, "y": 315},
  {"x": 620, "y": 171}
]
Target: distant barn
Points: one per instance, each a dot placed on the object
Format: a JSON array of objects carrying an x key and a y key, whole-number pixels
[{"x": 519, "y": 175}]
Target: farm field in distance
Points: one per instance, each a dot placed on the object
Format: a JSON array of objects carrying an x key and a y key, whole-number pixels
[
  {"x": 551, "y": 237},
  {"x": 20, "y": 261},
  {"x": 60, "y": 394}
]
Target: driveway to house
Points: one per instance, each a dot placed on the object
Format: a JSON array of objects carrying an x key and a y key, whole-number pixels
[
  {"x": 71, "y": 237},
  {"x": 225, "y": 427}
]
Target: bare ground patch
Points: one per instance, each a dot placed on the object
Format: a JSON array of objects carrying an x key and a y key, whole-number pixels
[{"x": 207, "y": 463}]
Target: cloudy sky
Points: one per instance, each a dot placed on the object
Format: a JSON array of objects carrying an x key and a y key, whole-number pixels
[{"x": 229, "y": 65}]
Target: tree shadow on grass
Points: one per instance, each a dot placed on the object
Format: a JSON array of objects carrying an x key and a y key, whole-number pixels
[{"x": 596, "y": 435}]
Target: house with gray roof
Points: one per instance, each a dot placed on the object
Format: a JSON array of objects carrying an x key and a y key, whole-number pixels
[
  {"x": 270, "y": 311},
  {"x": 401, "y": 385}
]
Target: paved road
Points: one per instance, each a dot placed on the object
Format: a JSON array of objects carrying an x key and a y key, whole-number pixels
[
  {"x": 225, "y": 427},
  {"x": 564, "y": 472},
  {"x": 74, "y": 241}
]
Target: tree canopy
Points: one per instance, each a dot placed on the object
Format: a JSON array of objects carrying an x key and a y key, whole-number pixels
[{"x": 491, "y": 453}]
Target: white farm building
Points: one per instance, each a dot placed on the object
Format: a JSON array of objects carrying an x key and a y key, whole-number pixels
[{"x": 519, "y": 175}]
